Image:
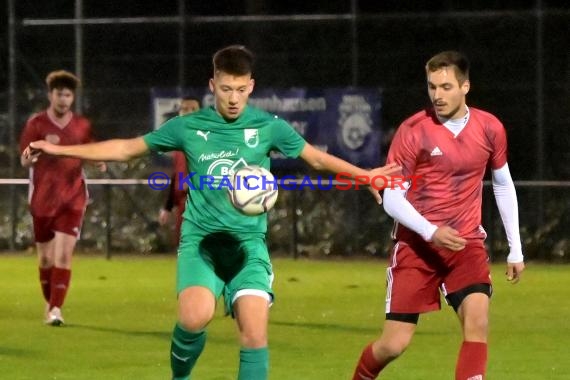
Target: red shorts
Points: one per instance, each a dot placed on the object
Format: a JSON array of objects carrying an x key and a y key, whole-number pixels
[
  {"x": 67, "y": 221},
  {"x": 418, "y": 271}
]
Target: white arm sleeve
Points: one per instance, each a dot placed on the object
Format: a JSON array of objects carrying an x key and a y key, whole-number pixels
[
  {"x": 398, "y": 207},
  {"x": 506, "y": 198}
]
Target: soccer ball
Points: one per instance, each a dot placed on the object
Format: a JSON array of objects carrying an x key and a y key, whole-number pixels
[{"x": 253, "y": 191}]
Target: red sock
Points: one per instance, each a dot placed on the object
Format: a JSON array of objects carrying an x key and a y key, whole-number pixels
[
  {"x": 368, "y": 367},
  {"x": 472, "y": 361},
  {"x": 45, "y": 281},
  {"x": 59, "y": 284}
]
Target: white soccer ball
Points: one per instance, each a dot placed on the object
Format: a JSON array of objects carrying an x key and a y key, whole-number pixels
[{"x": 254, "y": 190}]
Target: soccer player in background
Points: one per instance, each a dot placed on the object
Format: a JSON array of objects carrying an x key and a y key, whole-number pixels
[
  {"x": 221, "y": 250},
  {"x": 438, "y": 233},
  {"x": 176, "y": 193},
  {"x": 58, "y": 195}
]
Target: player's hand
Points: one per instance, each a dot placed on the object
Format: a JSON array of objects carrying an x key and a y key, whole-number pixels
[
  {"x": 31, "y": 155},
  {"x": 449, "y": 238},
  {"x": 383, "y": 173},
  {"x": 101, "y": 166},
  {"x": 514, "y": 271},
  {"x": 163, "y": 216},
  {"x": 42, "y": 146}
]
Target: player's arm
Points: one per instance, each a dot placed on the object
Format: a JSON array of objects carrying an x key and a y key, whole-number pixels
[
  {"x": 506, "y": 198},
  {"x": 320, "y": 160},
  {"x": 110, "y": 150},
  {"x": 401, "y": 210}
]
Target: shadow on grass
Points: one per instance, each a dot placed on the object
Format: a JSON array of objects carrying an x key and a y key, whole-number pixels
[
  {"x": 347, "y": 328},
  {"x": 152, "y": 334},
  {"x": 324, "y": 326}
]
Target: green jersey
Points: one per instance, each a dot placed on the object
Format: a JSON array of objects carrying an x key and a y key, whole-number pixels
[{"x": 214, "y": 149}]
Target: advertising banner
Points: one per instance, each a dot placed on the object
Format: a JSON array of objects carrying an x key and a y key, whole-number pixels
[{"x": 342, "y": 121}]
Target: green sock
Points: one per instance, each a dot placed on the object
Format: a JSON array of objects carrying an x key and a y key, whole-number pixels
[
  {"x": 185, "y": 349},
  {"x": 253, "y": 363}
]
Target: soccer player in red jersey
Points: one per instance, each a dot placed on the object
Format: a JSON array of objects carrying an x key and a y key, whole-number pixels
[
  {"x": 57, "y": 194},
  {"x": 438, "y": 232},
  {"x": 176, "y": 195}
]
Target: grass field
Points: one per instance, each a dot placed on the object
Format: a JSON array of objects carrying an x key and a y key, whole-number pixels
[{"x": 120, "y": 313}]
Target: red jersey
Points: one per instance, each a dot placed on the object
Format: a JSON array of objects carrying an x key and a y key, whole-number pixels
[
  {"x": 56, "y": 182},
  {"x": 449, "y": 170},
  {"x": 180, "y": 168}
]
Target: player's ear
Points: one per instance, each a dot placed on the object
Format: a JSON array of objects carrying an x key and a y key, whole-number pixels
[
  {"x": 465, "y": 87},
  {"x": 251, "y": 85},
  {"x": 211, "y": 84}
]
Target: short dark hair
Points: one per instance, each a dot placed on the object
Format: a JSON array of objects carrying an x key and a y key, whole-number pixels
[
  {"x": 189, "y": 97},
  {"x": 233, "y": 59},
  {"x": 450, "y": 58},
  {"x": 62, "y": 79}
]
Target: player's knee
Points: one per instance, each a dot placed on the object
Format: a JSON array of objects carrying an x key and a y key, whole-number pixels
[
  {"x": 475, "y": 327},
  {"x": 390, "y": 350},
  {"x": 63, "y": 262},
  {"x": 192, "y": 323},
  {"x": 45, "y": 261},
  {"x": 253, "y": 339}
]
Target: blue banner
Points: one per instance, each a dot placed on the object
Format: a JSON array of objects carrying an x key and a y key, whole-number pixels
[{"x": 344, "y": 122}]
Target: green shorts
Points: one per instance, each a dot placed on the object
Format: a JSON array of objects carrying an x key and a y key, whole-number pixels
[{"x": 224, "y": 264}]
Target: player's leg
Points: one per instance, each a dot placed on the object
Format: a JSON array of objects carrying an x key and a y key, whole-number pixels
[
  {"x": 196, "y": 307},
  {"x": 471, "y": 302},
  {"x": 395, "y": 338},
  {"x": 43, "y": 236},
  {"x": 252, "y": 314},
  {"x": 67, "y": 226},
  {"x": 474, "y": 315},
  {"x": 248, "y": 297},
  {"x": 412, "y": 288},
  {"x": 198, "y": 288}
]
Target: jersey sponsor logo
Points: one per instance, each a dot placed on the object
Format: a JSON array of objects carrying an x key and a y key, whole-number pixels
[
  {"x": 436, "y": 152},
  {"x": 203, "y": 134},
  {"x": 476, "y": 377},
  {"x": 251, "y": 137},
  {"x": 218, "y": 155},
  {"x": 51, "y": 138}
]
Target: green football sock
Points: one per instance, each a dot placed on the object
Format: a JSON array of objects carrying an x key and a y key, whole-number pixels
[
  {"x": 253, "y": 363},
  {"x": 185, "y": 349}
]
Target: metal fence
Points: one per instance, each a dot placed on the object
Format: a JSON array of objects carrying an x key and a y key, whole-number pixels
[{"x": 122, "y": 217}]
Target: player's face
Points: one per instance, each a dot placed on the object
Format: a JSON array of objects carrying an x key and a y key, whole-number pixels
[
  {"x": 60, "y": 100},
  {"x": 188, "y": 106},
  {"x": 231, "y": 93},
  {"x": 446, "y": 93}
]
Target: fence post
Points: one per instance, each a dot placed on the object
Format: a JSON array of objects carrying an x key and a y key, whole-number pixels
[{"x": 108, "y": 198}]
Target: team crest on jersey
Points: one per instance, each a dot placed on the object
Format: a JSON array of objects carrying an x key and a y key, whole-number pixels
[
  {"x": 251, "y": 137},
  {"x": 51, "y": 138}
]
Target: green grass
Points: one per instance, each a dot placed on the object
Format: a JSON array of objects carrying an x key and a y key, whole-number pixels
[{"x": 120, "y": 314}]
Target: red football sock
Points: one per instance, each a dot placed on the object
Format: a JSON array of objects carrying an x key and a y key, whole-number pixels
[
  {"x": 368, "y": 367},
  {"x": 472, "y": 361},
  {"x": 45, "y": 281},
  {"x": 59, "y": 284}
]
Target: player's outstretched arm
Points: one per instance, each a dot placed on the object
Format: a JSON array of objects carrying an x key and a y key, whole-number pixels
[
  {"x": 110, "y": 150},
  {"x": 323, "y": 161}
]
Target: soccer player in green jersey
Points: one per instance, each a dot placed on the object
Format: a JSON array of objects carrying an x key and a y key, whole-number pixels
[{"x": 221, "y": 252}]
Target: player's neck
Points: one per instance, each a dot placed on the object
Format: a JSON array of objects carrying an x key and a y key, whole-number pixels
[{"x": 59, "y": 119}]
